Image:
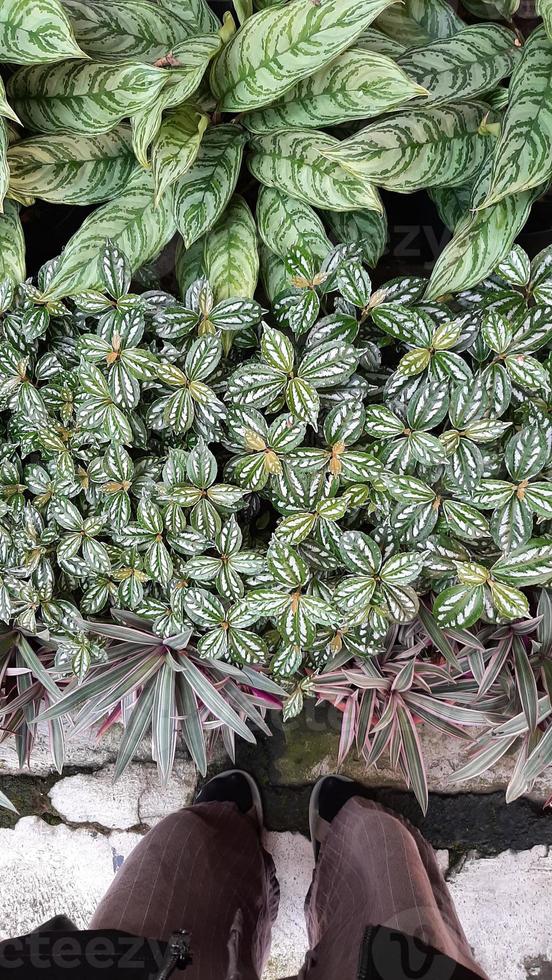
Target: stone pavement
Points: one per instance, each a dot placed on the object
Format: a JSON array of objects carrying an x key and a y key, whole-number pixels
[{"x": 74, "y": 831}]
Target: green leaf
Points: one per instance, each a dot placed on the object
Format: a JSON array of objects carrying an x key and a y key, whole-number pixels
[
  {"x": 12, "y": 244},
  {"x": 284, "y": 223},
  {"x": 139, "y": 229},
  {"x": 213, "y": 701},
  {"x": 277, "y": 47},
  {"x": 544, "y": 10},
  {"x": 464, "y": 66},
  {"x": 412, "y": 756},
  {"x": 34, "y": 32},
  {"x": 523, "y": 157},
  {"x": 297, "y": 163},
  {"x": 366, "y": 228},
  {"x": 230, "y": 252},
  {"x": 416, "y": 149},
  {"x": 303, "y": 401},
  {"x": 437, "y": 17},
  {"x": 176, "y": 146},
  {"x": 82, "y": 97},
  {"x": 125, "y": 30},
  {"x": 203, "y": 193},
  {"x": 4, "y": 167},
  {"x": 285, "y": 565},
  {"x": 357, "y": 85},
  {"x": 72, "y": 170}
]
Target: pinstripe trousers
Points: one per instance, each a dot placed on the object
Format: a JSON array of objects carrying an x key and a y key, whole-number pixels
[{"x": 204, "y": 869}]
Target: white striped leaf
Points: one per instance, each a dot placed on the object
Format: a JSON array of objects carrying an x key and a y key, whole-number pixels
[
  {"x": 284, "y": 222},
  {"x": 366, "y": 228},
  {"x": 193, "y": 56},
  {"x": 528, "y": 565},
  {"x": 230, "y": 252},
  {"x": 295, "y": 162},
  {"x": 357, "y": 85},
  {"x": 274, "y": 274},
  {"x": 176, "y": 146},
  {"x": 72, "y": 170},
  {"x": 12, "y": 244},
  {"x": 5, "y": 108},
  {"x": 481, "y": 240},
  {"x": 419, "y": 148},
  {"x": 82, "y": 97},
  {"x": 132, "y": 222},
  {"x": 277, "y": 48},
  {"x": 202, "y": 194},
  {"x": 459, "y": 606},
  {"x": 196, "y": 14},
  {"x": 464, "y": 66},
  {"x": 188, "y": 264},
  {"x": 126, "y": 30},
  {"x": 523, "y": 156},
  {"x": 379, "y": 43},
  {"x": 34, "y": 32}
]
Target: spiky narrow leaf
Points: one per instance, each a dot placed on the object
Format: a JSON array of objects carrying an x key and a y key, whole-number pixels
[
  {"x": 230, "y": 252},
  {"x": 202, "y": 194},
  {"x": 82, "y": 97},
  {"x": 357, "y": 85},
  {"x": 132, "y": 222},
  {"x": 296, "y": 162},
  {"x": 523, "y": 157},
  {"x": 276, "y": 48},
  {"x": 34, "y": 32},
  {"x": 72, "y": 170},
  {"x": 419, "y": 148}
]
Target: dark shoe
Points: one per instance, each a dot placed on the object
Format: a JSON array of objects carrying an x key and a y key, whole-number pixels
[
  {"x": 328, "y": 797},
  {"x": 234, "y": 786}
]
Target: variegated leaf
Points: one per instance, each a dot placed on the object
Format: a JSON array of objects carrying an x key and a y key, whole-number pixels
[
  {"x": 296, "y": 162},
  {"x": 176, "y": 146},
  {"x": 196, "y": 14},
  {"x": 464, "y": 66},
  {"x": 419, "y": 148},
  {"x": 523, "y": 156},
  {"x": 132, "y": 222},
  {"x": 12, "y": 244},
  {"x": 437, "y": 17},
  {"x": 397, "y": 24},
  {"x": 202, "y": 194},
  {"x": 365, "y": 228},
  {"x": 357, "y": 85},
  {"x": 230, "y": 252},
  {"x": 544, "y": 10},
  {"x": 82, "y": 97},
  {"x": 72, "y": 170},
  {"x": 277, "y": 47},
  {"x": 34, "y": 32},
  {"x": 4, "y": 166},
  {"x": 126, "y": 30},
  {"x": 285, "y": 222}
]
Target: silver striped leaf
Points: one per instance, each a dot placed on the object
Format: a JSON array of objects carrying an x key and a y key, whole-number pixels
[
  {"x": 464, "y": 66},
  {"x": 284, "y": 222},
  {"x": 176, "y": 146},
  {"x": 12, "y": 244},
  {"x": 72, "y": 170},
  {"x": 4, "y": 166},
  {"x": 202, "y": 194},
  {"x": 230, "y": 252},
  {"x": 437, "y": 17},
  {"x": 419, "y": 148},
  {"x": 356, "y": 85},
  {"x": 132, "y": 222},
  {"x": 297, "y": 162},
  {"x": 126, "y": 30},
  {"x": 82, "y": 97},
  {"x": 36, "y": 32},
  {"x": 379, "y": 43},
  {"x": 523, "y": 156},
  {"x": 278, "y": 47},
  {"x": 360, "y": 227}
]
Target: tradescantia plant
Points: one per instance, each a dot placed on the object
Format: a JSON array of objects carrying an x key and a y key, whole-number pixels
[
  {"x": 171, "y": 117},
  {"x": 210, "y": 509}
]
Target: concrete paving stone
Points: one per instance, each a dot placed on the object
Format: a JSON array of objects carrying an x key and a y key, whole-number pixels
[{"x": 137, "y": 798}]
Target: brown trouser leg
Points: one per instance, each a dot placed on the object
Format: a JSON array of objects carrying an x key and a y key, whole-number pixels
[
  {"x": 202, "y": 869},
  {"x": 374, "y": 870}
]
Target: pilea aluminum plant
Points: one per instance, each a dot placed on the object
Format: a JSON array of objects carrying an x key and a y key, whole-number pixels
[
  {"x": 153, "y": 106},
  {"x": 210, "y": 508}
]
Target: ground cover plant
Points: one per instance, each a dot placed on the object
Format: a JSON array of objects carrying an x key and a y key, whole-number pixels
[{"x": 269, "y": 481}]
